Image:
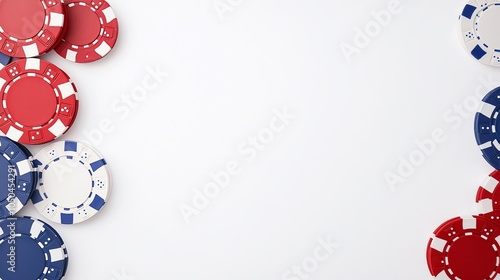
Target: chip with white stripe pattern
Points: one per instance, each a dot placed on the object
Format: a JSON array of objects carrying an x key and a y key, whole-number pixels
[
  {"x": 39, "y": 101},
  {"x": 92, "y": 31},
  {"x": 31, "y": 249},
  {"x": 465, "y": 248},
  {"x": 30, "y": 29},
  {"x": 486, "y": 128},
  {"x": 18, "y": 177},
  {"x": 488, "y": 197}
]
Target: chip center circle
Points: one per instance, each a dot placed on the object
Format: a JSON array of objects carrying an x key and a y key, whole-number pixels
[
  {"x": 84, "y": 25},
  {"x": 487, "y": 25},
  {"x": 67, "y": 182},
  {"x": 472, "y": 252},
  {"x": 31, "y": 101},
  {"x": 27, "y": 266},
  {"x": 23, "y": 21}
]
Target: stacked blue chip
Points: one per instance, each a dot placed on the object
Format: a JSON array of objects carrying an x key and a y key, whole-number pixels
[
  {"x": 486, "y": 128},
  {"x": 18, "y": 177},
  {"x": 34, "y": 250}
]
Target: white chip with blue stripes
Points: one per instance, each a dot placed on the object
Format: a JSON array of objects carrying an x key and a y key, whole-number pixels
[
  {"x": 74, "y": 182},
  {"x": 479, "y": 25}
]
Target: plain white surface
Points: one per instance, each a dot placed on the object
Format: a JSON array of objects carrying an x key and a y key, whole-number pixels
[{"x": 322, "y": 176}]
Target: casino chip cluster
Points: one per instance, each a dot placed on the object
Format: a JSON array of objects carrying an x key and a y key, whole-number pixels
[
  {"x": 68, "y": 182},
  {"x": 468, "y": 248}
]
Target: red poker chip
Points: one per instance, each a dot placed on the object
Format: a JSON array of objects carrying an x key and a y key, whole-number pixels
[
  {"x": 488, "y": 197},
  {"x": 39, "y": 101},
  {"x": 465, "y": 248},
  {"x": 92, "y": 31},
  {"x": 31, "y": 27}
]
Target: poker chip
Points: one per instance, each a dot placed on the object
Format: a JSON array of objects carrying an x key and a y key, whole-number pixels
[
  {"x": 488, "y": 197},
  {"x": 17, "y": 175},
  {"x": 31, "y": 250},
  {"x": 74, "y": 182},
  {"x": 486, "y": 128},
  {"x": 39, "y": 101},
  {"x": 30, "y": 29},
  {"x": 29, "y": 155},
  {"x": 465, "y": 248},
  {"x": 479, "y": 23},
  {"x": 92, "y": 31},
  {"x": 4, "y": 59}
]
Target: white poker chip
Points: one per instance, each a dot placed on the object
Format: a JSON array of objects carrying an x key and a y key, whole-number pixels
[
  {"x": 479, "y": 25},
  {"x": 74, "y": 182}
]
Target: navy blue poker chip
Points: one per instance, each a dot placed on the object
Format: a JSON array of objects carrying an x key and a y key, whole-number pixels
[
  {"x": 30, "y": 250},
  {"x": 487, "y": 126},
  {"x": 18, "y": 177},
  {"x": 4, "y": 59}
]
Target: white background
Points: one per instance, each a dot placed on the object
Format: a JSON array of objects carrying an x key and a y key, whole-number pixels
[{"x": 323, "y": 176}]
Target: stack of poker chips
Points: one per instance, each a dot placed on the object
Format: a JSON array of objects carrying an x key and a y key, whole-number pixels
[
  {"x": 468, "y": 248},
  {"x": 68, "y": 182}
]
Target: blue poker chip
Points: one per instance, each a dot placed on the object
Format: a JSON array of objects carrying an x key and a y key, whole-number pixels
[
  {"x": 18, "y": 177},
  {"x": 4, "y": 59},
  {"x": 31, "y": 250},
  {"x": 486, "y": 128}
]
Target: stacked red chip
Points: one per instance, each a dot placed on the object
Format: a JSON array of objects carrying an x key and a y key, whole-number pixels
[
  {"x": 92, "y": 31},
  {"x": 468, "y": 248},
  {"x": 39, "y": 101},
  {"x": 488, "y": 197},
  {"x": 30, "y": 29},
  {"x": 80, "y": 31},
  {"x": 465, "y": 248}
]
